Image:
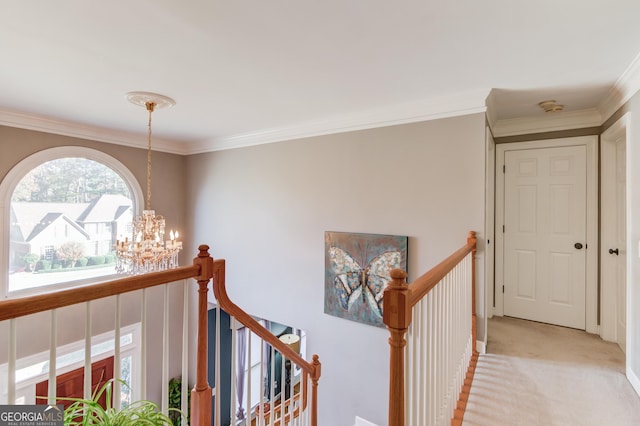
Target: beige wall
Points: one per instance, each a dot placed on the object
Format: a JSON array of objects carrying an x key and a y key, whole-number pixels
[
  {"x": 265, "y": 210},
  {"x": 168, "y": 198}
]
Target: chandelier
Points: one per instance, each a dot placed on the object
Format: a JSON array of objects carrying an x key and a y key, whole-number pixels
[{"x": 147, "y": 250}]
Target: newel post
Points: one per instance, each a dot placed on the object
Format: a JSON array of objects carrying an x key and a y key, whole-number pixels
[
  {"x": 201, "y": 392},
  {"x": 314, "y": 390},
  {"x": 471, "y": 240},
  {"x": 397, "y": 317}
]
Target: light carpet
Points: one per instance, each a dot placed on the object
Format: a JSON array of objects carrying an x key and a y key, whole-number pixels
[{"x": 539, "y": 374}]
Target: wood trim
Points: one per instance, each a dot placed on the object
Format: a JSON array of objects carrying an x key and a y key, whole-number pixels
[
  {"x": 14, "y": 308},
  {"x": 458, "y": 414},
  {"x": 423, "y": 285}
]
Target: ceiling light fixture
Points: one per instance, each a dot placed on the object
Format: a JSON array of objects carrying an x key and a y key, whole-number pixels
[
  {"x": 147, "y": 251},
  {"x": 550, "y": 106}
]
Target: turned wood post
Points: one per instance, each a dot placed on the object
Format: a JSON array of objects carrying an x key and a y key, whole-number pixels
[
  {"x": 471, "y": 239},
  {"x": 317, "y": 367},
  {"x": 201, "y": 392},
  {"x": 397, "y": 317}
]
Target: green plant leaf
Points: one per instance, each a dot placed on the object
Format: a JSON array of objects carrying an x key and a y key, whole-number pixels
[{"x": 90, "y": 412}]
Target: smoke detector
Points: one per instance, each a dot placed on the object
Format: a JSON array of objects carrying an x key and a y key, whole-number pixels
[{"x": 550, "y": 106}]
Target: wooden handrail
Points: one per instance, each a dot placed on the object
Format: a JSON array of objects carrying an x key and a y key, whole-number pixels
[
  {"x": 14, "y": 308},
  {"x": 248, "y": 321},
  {"x": 423, "y": 285},
  {"x": 313, "y": 369}
]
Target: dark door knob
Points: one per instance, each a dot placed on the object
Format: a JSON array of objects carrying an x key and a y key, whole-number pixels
[
  {"x": 612, "y": 251},
  {"x": 578, "y": 245}
]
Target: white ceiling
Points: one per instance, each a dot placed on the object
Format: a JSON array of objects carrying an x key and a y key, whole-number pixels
[{"x": 250, "y": 71}]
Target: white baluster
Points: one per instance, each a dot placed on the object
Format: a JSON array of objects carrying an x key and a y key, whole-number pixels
[
  {"x": 143, "y": 346},
  {"x": 217, "y": 369},
  {"x": 234, "y": 368},
  {"x": 53, "y": 345},
  {"x": 184, "y": 388},
  {"x": 248, "y": 363},
  {"x": 165, "y": 350},
  {"x": 117, "y": 365},
  {"x": 11, "y": 376},
  {"x": 87, "y": 352}
]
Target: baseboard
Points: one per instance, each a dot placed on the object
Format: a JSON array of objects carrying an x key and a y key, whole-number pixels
[
  {"x": 634, "y": 380},
  {"x": 481, "y": 347}
]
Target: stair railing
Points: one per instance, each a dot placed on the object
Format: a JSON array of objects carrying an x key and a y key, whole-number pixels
[
  {"x": 203, "y": 270},
  {"x": 430, "y": 375},
  {"x": 279, "y": 410}
]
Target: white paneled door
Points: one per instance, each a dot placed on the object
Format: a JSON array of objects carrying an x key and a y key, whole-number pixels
[{"x": 545, "y": 212}]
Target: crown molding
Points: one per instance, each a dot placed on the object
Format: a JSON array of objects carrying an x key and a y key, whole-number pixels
[
  {"x": 550, "y": 122},
  {"x": 624, "y": 88},
  {"x": 432, "y": 109},
  {"x": 492, "y": 118},
  {"x": 82, "y": 131}
]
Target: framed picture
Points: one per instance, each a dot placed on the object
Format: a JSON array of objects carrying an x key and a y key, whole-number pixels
[{"x": 356, "y": 273}]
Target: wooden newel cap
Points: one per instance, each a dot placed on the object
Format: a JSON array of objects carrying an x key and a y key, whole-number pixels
[
  {"x": 398, "y": 275},
  {"x": 317, "y": 367},
  {"x": 205, "y": 261},
  {"x": 203, "y": 250}
]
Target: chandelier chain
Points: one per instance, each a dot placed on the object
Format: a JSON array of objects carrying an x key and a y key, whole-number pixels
[{"x": 150, "y": 107}]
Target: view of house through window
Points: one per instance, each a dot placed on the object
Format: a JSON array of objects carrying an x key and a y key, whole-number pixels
[{"x": 65, "y": 217}]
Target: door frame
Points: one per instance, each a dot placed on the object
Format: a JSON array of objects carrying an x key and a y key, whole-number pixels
[
  {"x": 591, "y": 272},
  {"x": 490, "y": 224},
  {"x": 608, "y": 290}
]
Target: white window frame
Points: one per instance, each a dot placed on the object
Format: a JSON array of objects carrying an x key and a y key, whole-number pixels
[{"x": 20, "y": 170}]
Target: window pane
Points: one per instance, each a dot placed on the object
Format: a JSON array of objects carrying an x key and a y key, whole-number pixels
[{"x": 66, "y": 215}]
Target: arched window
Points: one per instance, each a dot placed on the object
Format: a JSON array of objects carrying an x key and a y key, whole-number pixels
[{"x": 62, "y": 210}]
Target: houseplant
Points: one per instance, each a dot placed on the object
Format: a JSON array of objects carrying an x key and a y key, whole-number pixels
[
  {"x": 88, "y": 412},
  {"x": 175, "y": 400}
]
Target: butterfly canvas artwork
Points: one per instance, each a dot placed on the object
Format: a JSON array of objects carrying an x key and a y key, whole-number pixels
[{"x": 357, "y": 270}]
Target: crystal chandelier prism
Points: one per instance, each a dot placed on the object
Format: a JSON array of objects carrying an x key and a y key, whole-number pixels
[{"x": 146, "y": 250}]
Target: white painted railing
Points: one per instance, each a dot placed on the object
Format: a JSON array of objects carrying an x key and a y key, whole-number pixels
[{"x": 430, "y": 379}]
